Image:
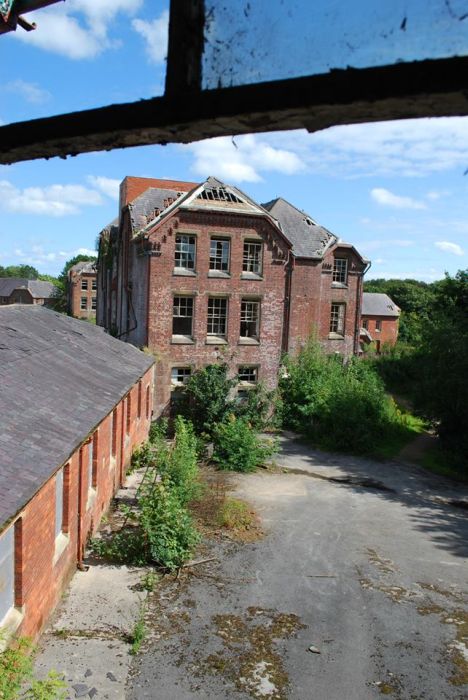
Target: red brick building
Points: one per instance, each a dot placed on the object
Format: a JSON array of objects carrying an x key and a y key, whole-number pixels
[
  {"x": 201, "y": 273},
  {"x": 82, "y": 290},
  {"x": 15, "y": 290},
  {"x": 75, "y": 402},
  {"x": 380, "y": 318}
]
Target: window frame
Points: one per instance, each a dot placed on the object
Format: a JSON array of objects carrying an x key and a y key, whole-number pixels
[
  {"x": 185, "y": 268},
  {"x": 337, "y": 319},
  {"x": 340, "y": 271},
  {"x": 84, "y": 300},
  {"x": 378, "y": 325},
  {"x": 215, "y": 318},
  {"x": 94, "y": 284},
  {"x": 213, "y": 268},
  {"x": 244, "y": 370},
  {"x": 84, "y": 284},
  {"x": 187, "y": 374},
  {"x": 246, "y": 258},
  {"x": 177, "y": 298},
  {"x": 93, "y": 303},
  {"x": 246, "y": 337}
]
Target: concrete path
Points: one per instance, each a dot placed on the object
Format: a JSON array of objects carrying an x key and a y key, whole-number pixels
[{"x": 357, "y": 590}]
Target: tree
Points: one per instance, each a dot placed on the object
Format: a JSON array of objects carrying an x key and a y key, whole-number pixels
[{"x": 23, "y": 271}]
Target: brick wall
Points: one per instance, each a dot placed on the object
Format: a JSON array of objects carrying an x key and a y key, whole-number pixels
[
  {"x": 76, "y": 293},
  {"x": 164, "y": 284},
  {"x": 388, "y": 333},
  {"x": 44, "y": 563}
]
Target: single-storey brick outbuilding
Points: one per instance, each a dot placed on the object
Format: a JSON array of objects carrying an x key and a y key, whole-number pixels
[{"x": 75, "y": 402}]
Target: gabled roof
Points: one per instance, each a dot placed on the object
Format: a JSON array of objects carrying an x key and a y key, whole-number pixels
[
  {"x": 308, "y": 239},
  {"x": 37, "y": 288},
  {"x": 150, "y": 205},
  {"x": 376, "y": 304},
  {"x": 60, "y": 378},
  {"x": 84, "y": 266}
]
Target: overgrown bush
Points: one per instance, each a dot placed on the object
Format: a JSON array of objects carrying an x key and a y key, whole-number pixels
[
  {"x": 257, "y": 407},
  {"x": 16, "y": 670},
  {"x": 339, "y": 405},
  {"x": 160, "y": 529},
  {"x": 237, "y": 447},
  {"x": 206, "y": 397},
  {"x": 169, "y": 532}
]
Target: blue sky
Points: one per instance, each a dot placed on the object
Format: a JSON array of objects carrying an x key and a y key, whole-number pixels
[{"x": 396, "y": 190}]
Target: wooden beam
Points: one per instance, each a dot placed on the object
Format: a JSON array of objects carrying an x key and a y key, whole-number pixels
[{"x": 401, "y": 91}]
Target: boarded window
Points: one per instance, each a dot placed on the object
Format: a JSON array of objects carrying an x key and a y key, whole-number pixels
[
  {"x": 7, "y": 571},
  {"x": 58, "y": 502}
]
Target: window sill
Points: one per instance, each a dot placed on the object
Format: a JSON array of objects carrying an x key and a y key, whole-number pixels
[
  {"x": 248, "y": 341},
  {"x": 182, "y": 340},
  {"x": 216, "y": 340},
  {"x": 61, "y": 543},
  {"x": 183, "y": 272},
  {"x": 246, "y": 386},
  {"x": 251, "y": 276},
  {"x": 339, "y": 285},
  {"x": 9, "y": 625},
  {"x": 91, "y": 498},
  {"x": 335, "y": 336},
  {"x": 219, "y": 273}
]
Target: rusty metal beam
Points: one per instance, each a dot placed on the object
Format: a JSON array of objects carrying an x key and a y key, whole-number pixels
[{"x": 420, "y": 89}]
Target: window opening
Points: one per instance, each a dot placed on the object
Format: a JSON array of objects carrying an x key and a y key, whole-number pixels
[
  {"x": 182, "y": 316},
  {"x": 185, "y": 252},
  {"x": 217, "y": 317},
  {"x": 219, "y": 254},
  {"x": 249, "y": 321}
]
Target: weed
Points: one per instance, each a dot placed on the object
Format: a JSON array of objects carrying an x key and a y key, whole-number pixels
[
  {"x": 149, "y": 581},
  {"x": 16, "y": 670},
  {"x": 237, "y": 446},
  {"x": 139, "y": 633},
  {"x": 235, "y": 515}
]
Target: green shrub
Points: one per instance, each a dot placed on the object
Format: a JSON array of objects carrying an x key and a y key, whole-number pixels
[
  {"x": 182, "y": 467},
  {"x": 16, "y": 669},
  {"x": 340, "y": 405},
  {"x": 206, "y": 398},
  {"x": 257, "y": 407},
  {"x": 237, "y": 447},
  {"x": 169, "y": 533}
]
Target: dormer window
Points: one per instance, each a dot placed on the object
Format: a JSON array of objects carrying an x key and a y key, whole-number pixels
[{"x": 340, "y": 270}]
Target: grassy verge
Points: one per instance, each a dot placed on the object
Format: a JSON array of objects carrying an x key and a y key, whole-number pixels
[
  {"x": 441, "y": 462},
  {"x": 390, "y": 444}
]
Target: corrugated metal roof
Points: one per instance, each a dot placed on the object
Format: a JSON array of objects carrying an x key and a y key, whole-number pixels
[
  {"x": 308, "y": 239},
  {"x": 59, "y": 378},
  {"x": 376, "y": 304}
]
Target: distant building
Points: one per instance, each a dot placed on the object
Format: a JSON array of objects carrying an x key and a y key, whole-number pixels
[
  {"x": 82, "y": 290},
  {"x": 380, "y": 317},
  {"x": 201, "y": 273},
  {"x": 15, "y": 290},
  {"x": 75, "y": 402}
]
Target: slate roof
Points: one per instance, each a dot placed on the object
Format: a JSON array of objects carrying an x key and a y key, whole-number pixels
[
  {"x": 37, "y": 288},
  {"x": 374, "y": 304},
  {"x": 308, "y": 239},
  {"x": 59, "y": 378},
  {"x": 84, "y": 266},
  {"x": 142, "y": 208}
]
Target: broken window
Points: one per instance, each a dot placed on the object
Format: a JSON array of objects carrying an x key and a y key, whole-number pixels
[
  {"x": 185, "y": 252},
  {"x": 250, "y": 319},
  {"x": 219, "y": 254},
  {"x": 84, "y": 284},
  {"x": 182, "y": 317},
  {"x": 217, "y": 317},
  {"x": 180, "y": 376},
  {"x": 248, "y": 374},
  {"x": 252, "y": 257},
  {"x": 340, "y": 270},
  {"x": 219, "y": 194},
  {"x": 337, "y": 318}
]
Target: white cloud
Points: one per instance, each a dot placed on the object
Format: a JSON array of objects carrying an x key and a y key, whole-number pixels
[
  {"x": 31, "y": 92},
  {"x": 155, "y": 35},
  {"x": 406, "y": 148},
  {"x": 36, "y": 255},
  {"x": 242, "y": 160},
  {"x": 450, "y": 247},
  {"x": 54, "y": 200},
  {"x": 388, "y": 199},
  {"x": 77, "y": 30},
  {"x": 107, "y": 185}
]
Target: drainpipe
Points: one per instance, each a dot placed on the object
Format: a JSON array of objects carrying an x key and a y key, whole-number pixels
[
  {"x": 79, "y": 553},
  {"x": 357, "y": 325},
  {"x": 289, "y": 264}
]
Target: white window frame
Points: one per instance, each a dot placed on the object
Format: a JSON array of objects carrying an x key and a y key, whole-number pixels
[
  {"x": 217, "y": 319},
  {"x": 247, "y": 317},
  {"x": 178, "y": 382},
  {"x": 84, "y": 300},
  {"x": 180, "y": 307},
  {"x": 219, "y": 261},
  {"x": 185, "y": 251},
  {"x": 84, "y": 284},
  {"x": 340, "y": 271},
  {"x": 252, "y": 258},
  {"x": 337, "y": 318}
]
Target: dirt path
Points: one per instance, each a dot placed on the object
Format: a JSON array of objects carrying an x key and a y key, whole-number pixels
[{"x": 415, "y": 450}]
